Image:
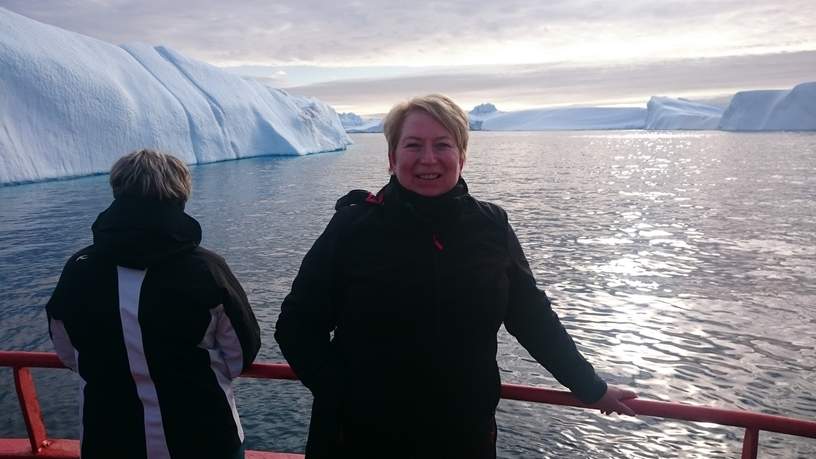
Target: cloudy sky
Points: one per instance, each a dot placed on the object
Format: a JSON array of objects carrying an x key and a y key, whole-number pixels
[{"x": 365, "y": 55}]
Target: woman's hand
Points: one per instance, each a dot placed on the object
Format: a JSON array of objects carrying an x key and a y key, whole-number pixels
[{"x": 611, "y": 402}]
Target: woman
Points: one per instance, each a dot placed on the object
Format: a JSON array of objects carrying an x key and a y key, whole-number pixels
[
  {"x": 413, "y": 283},
  {"x": 156, "y": 326}
]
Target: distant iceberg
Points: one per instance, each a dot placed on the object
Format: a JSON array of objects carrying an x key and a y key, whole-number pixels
[
  {"x": 568, "y": 118},
  {"x": 486, "y": 117},
  {"x": 72, "y": 105},
  {"x": 772, "y": 110},
  {"x": 350, "y": 119},
  {"x": 480, "y": 113},
  {"x": 668, "y": 113},
  {"x": 484, "y": 111},
  {"x": 768, "y": 110},
  {"x": 354, "y": 123}
]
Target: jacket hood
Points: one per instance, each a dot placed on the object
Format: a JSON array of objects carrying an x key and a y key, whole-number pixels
[{"x": 138, "y": 232}]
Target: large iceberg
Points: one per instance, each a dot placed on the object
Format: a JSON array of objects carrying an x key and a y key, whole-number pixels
[
  {"x": 668, "y": 113},
  {"x": 71, "y": 105},
  {"x": 772, "y": 110},
  {"x": 569, "y": 118}
]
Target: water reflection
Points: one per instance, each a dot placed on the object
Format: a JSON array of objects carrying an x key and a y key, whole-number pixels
[{"x": 661, "y": 264}]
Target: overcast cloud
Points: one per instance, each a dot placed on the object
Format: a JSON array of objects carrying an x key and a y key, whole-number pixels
[
  {"x": 363, "y": 55},
  {"x": 519, "y": 87},
  {"x": 377, "y": 32}
]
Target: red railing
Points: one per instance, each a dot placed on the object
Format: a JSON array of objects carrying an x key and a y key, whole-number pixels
[{"x": 752, "y": 422}]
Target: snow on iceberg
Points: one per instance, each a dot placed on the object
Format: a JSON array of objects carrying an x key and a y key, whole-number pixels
[
  {"x": 354, "y": 123},
  {"x": 668, "y": 113},
  {"x": 350, "y": 119},
  {"x": 370, "y": 126},
  {"x": 772, "y": 110},
  {"x": 570, "y": 118},
  {"x": 72, "y": 105}
]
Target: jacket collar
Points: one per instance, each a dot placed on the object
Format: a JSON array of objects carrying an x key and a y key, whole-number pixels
[
  {"x": 138, "y": 232},
  {"x": 434, "y": 211}
]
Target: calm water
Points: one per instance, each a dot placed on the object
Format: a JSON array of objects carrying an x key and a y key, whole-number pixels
[{"x": 684, "y": 265}]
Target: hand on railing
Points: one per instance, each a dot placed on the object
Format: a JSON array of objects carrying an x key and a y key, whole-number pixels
[{"x": 611, "y": 402}]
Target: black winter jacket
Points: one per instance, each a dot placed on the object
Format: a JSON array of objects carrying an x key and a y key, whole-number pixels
[
  {"x": 157, "y": 328},
  {"x": 392, "y": 320}
]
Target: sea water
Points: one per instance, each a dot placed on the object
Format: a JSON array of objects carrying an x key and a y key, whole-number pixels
[{"x": 682, "y": 263}]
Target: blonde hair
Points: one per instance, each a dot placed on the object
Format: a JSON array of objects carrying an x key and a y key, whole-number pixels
[
  {"x": 440, "y": 107},
  {"x": 150, "y": 174}
]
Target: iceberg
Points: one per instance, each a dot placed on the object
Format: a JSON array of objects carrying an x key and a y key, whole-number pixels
[
  {"x": 350, "y": 119},
  {"x": 486, "y": 117},
  {"x": 668, "y": 113},
  {"x": 484, "y": 111},
  {"x": 480, "y": 113},
  {"x": 354, "y": 123},
  {"x": 568, "y": 118},
  {"x": 372, "y": 126},
  {"x": 73, "y": 104},
  {"x": 772, "y": 110}
]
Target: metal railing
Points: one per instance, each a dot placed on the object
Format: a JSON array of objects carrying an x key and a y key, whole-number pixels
[{"x": 752, "y": 422}]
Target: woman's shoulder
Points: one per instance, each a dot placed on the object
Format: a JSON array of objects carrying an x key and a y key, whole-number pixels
[
  {"x": 207, "y": 257},
  {"x": 355, "y": 205},
  {"x": 358, "y": 198},
  {"x": 489, "y": 210},
  {"x": 84, "y": 267},
  {"x": 197, "y": 266}
]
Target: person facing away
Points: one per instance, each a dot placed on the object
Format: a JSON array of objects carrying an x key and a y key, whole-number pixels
[
  {"x": 156, "y": 326},
  {"x": 392, "y": 319}
]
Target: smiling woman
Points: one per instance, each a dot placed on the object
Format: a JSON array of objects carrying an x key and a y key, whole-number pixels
[
  {"x": 427, "y": 161},
  {"x": 392, "y": 320},
  {"x": 426, "y": 152}
]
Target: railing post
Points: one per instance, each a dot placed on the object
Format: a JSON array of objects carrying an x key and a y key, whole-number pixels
[
  {"x": 750, "y": 443},
  {"x": 30, "y": 406}
]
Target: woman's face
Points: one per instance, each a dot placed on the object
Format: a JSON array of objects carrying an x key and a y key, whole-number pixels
[{"x": 427, "y": 160}]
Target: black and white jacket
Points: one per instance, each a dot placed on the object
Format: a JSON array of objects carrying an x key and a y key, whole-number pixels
[{"x": 157, "y": 327}]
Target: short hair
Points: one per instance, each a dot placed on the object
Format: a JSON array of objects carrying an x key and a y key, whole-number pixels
[
  {"x": 151, "y": 174},
  {"x": 440, "y": 107}
]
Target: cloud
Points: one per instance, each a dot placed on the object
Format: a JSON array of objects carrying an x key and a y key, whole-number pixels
[
  {"x": 518, "y": 87},
  {"x": 529, "y": 53},
  {"x": 384, "y": 32}
]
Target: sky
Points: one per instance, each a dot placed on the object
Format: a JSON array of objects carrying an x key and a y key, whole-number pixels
[{"x": 366, "y": 55}]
